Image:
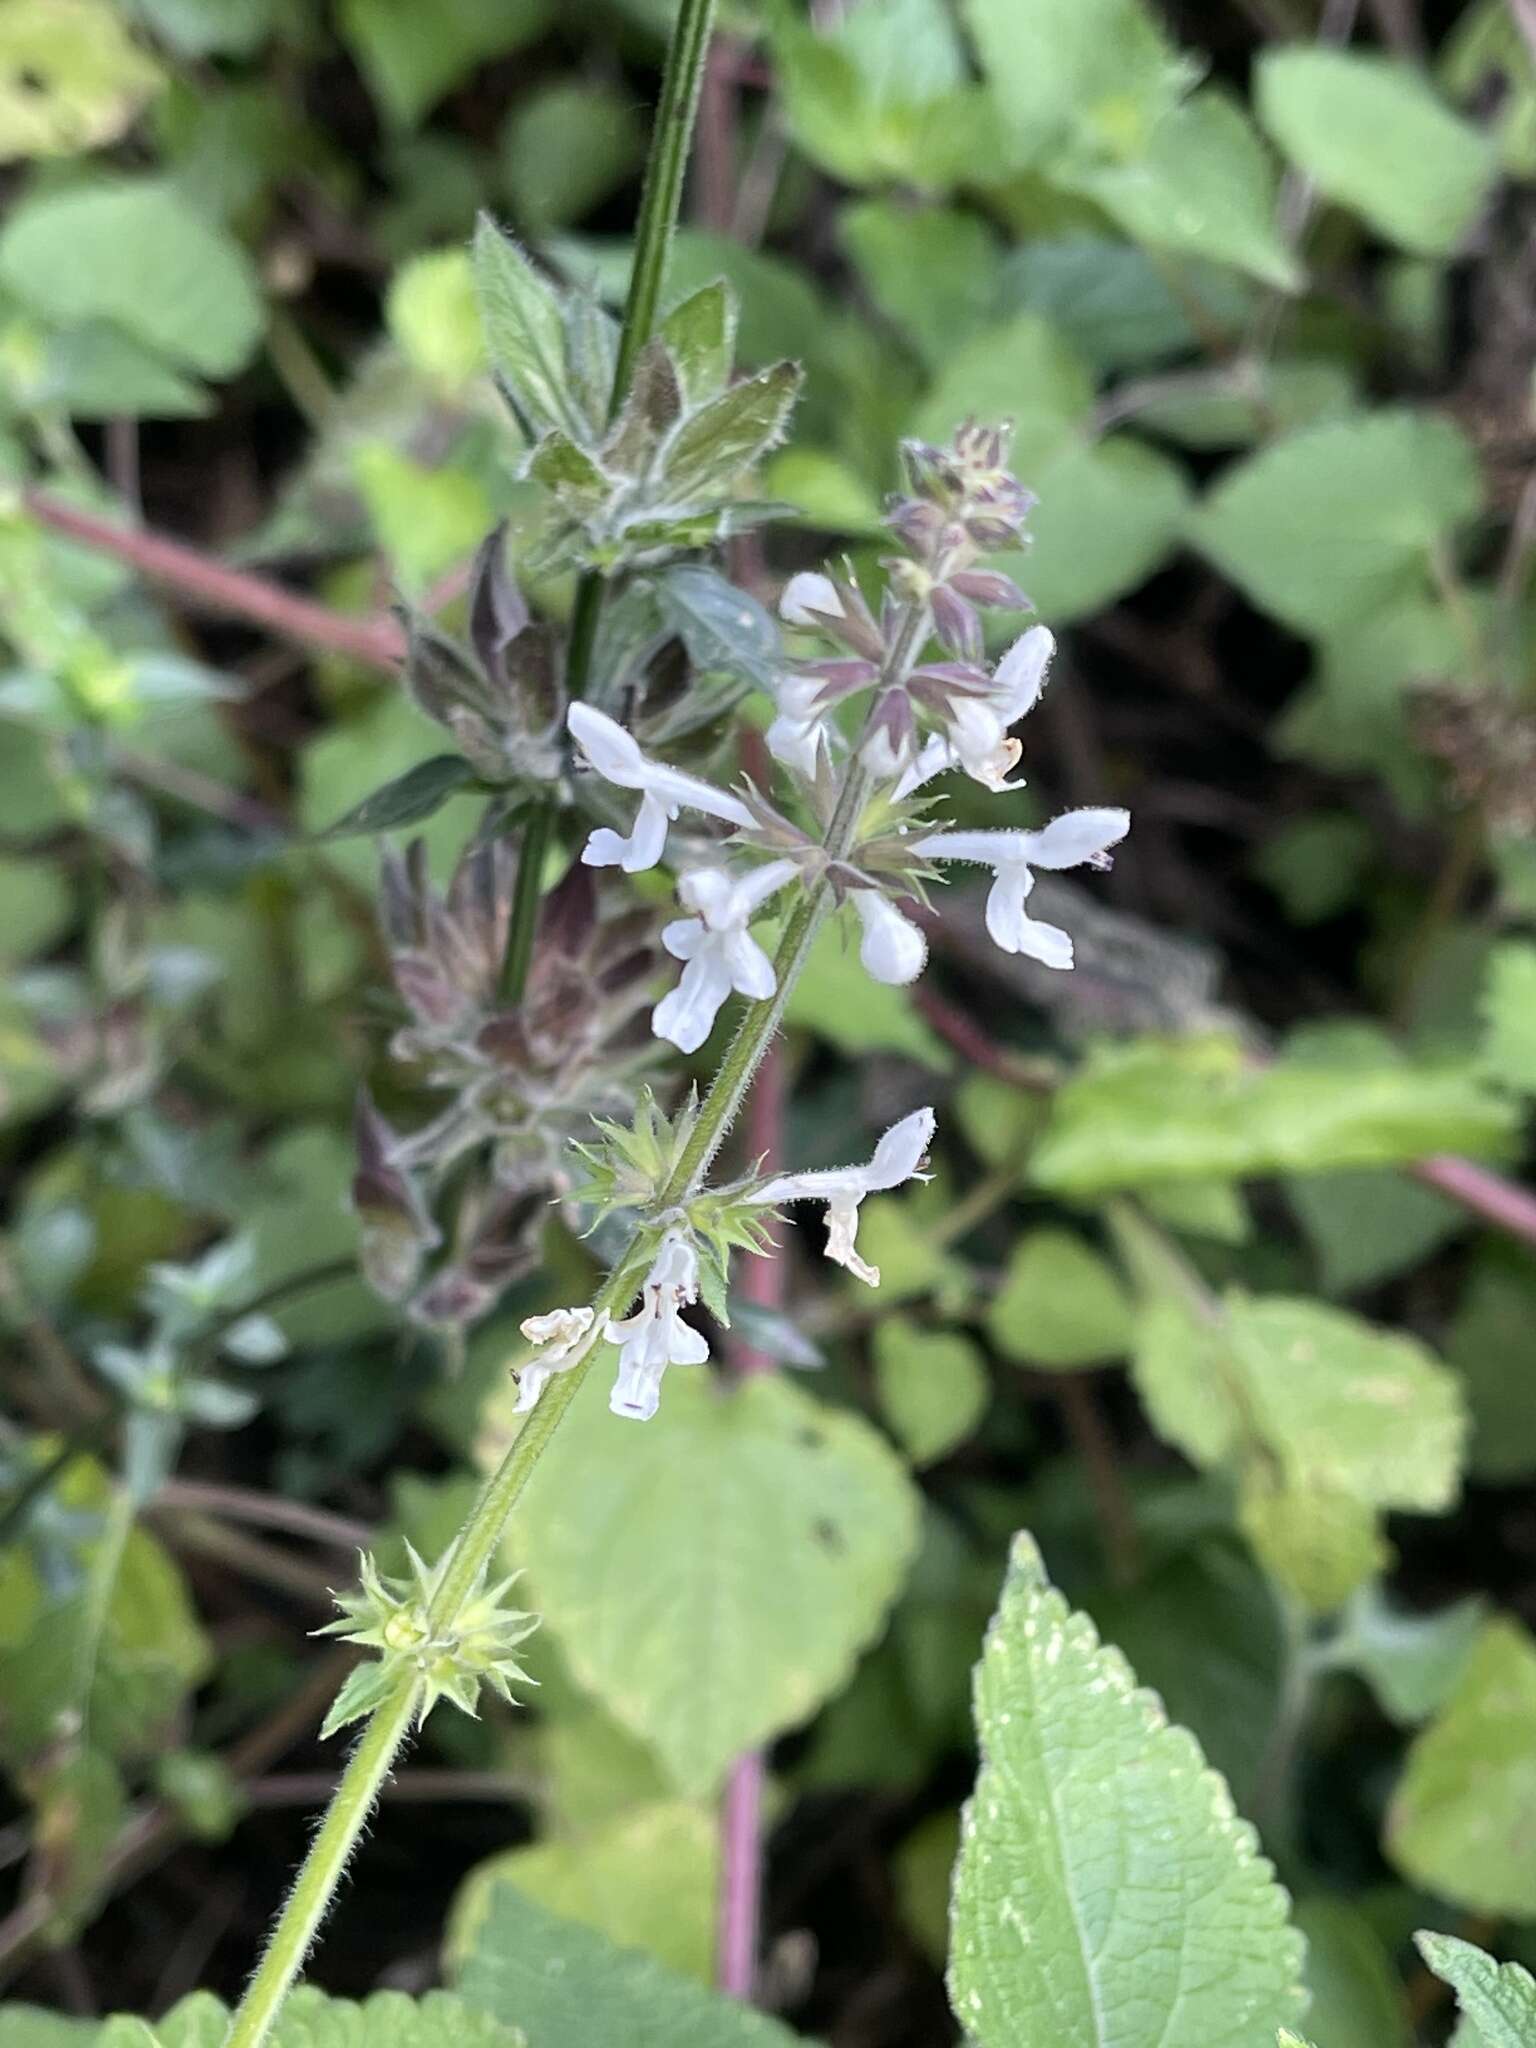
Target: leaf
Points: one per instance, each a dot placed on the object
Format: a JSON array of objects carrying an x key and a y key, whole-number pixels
[
  {"x": 432, "y": 313},
  {"x": 565, "y": 146},
  {"x": 71, "y": 77},
  {"x": 311, "y": 2019},
  {"x": 1492, "y": 1345},
  {"x": 524, "y": 332},
  {"x": 1106, "y": 1892},
  {"x": 1372, "y": 134},
  {"x": 1060, "y": 1305},
  {"x": 418, "y": 793},
  {"x": 1499, "y": 1998},
  {"x": 1203, "y": 185},
  {"x": 411, "y": 58},
  {"x": 1463, "y": 1817},
  {"x": 134, "y": 252},
  {"x": 1368, "y": 1224},
  {"x": 1330, "y": 524},
  {"x": 791, "y": 1538},
  {"x": 932, "y": 271},
  {"x": 699, "y": 334},
  {"x": 725, "y": 630},
  {"x": 1411, "y": 1661},
  {"x": 428, "y": 519},
  {"x": 1194, "y": 1109},
  {"x": 932, "y": 1385},
  {"x": 1020, "y": 370},
  {"x": 1101, "y": 68},
  {"x": 1509, "y": 1016},
  {"x": 1356, "y": 1997},
  {"x": 836, "y": 999},
  {"x": 572, "y": 1988},
  {"x": 28, "y": 2026},
  {"x": 646, "y": 1880},
  {"x": 39, "y": 907},
  {"x": 715, "y": 443},
  {"x": 1109, "y": 512},
  {"x": 1320, "y": 1544}
]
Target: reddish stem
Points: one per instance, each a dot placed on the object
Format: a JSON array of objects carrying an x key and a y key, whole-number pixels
[
  {"x": 741, "y": 1808},
  {"x": 377, "y": 642}
]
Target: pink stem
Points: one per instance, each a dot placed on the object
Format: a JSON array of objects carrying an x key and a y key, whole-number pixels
[
  {"x": 1498, "y": 1201},
  {"x": 200, "y": 580},
  {"x": 741, "y": 1808}
]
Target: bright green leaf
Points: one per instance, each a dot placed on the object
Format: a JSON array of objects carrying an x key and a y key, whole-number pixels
[
  {"x": 837, "y": 1000},
  {"x": 524, "y": 331},
  {"x": 71, "y": 77},
  {"x": 1499, "y": 1998},
  {"x": 932, "y": 1385},
  {"x": 1509, "y": 1013},
  {"x": 431, "y": 311},
  {"x": 791, "y": 1537},
  {"x": 412, "y": 56},
  {"x": 1106, "y": 1894},
  {"x": 1061, "y": 1305}
]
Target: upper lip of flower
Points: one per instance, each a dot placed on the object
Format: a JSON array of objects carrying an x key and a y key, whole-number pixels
[
  {"x": 1073, "y": 839},
  {"x": 718, "y": 949},
  {"x": 617, "y": 756}
]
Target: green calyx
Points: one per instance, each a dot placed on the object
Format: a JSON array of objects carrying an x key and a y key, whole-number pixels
[{"x": 446, "y": 1660}]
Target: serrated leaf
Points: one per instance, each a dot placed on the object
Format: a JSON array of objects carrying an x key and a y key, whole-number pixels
[
  {"x": 311, "y": 2019},
  {"x": 791, "y": 1537},
  {"x": 418, "y": 793},
  {"x": 645, "y": 1879},
  {"x": 1107, "y": 1894},
  {"x": 1499, "y": 1998},
  {"x": 1326, "y": 526},
  {"x": 570, "y": 472},
  {"x": 932, "y": 1385},
  {"x": 572, "y": 1988},
  {"x": 1194, "y": 1109},
  {"x": 136, "y": 253},
  {"x": 716, "y": 442},
  {"x": 1464, "y": 1814},
  {"x": 1061, "y": 1305},
  {"x": 700, "y": 336},
  {"x": 724, "y": 629},
  {"x": 524, "y": 331},
  {"x": 1371, "y": 133}
]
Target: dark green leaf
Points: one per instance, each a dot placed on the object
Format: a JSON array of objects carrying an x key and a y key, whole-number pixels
[{"x": 415, "y": 795}]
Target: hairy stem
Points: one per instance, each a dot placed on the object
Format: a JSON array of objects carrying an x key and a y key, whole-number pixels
[{"x": 322, "y": 1869}]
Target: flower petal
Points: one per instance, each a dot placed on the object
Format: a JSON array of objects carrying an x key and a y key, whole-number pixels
[
  {"x": 1076, "y": 837},
  {"x": 892, "y": 949},
  {"x": 1020, "y": 675},
  {"x": 687, "y": 1016},
  {"x": 806, "y": 594}
]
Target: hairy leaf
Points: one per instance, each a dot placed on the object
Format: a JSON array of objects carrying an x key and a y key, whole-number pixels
[
  {"x": 1499, "y": 1998},
  {"x": 418, "y": 793}
]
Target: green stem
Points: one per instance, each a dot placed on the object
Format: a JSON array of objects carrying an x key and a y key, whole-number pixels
[
  {"x": 660, "y": 202},
  {"x": 322, "y": 1869}
]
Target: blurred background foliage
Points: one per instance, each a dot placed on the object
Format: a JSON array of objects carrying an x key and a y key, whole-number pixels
[{"x": 1254, "y": 280}]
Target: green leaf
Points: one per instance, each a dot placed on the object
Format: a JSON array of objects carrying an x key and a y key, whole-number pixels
[
  {"x": 1330, "y": 524},
  {"x": 1060, "y": 1305},
  {"x": 39, "y": 907},
  {"x": 1202, "y": 185},
  {"x": 418, "y": 793},
  {"x": 1109, "y": 512},
  {"x": 1371, "y": 133},
  {"x": 28, "y": 2026},
  {"x": 572, "y": 1988},
  {"x": 1318, "y": 1543},
  {"x": 932, "y": 1385},
  {"x": 1490, "y": 1346},
  {"x": 725, "y": 630},
  {"x": 1103, "y": 70},
  {"x": 1499, "y": 1998},
  {"x": 699, "y": 334},
  {"x": 311, "y": 2019},
  {"x": 565, "y": 147},
  {"x": 1357, "y": 1999},
  {"x": 1369, "y": 1224},
  {"x": 1194, "y": 1109},
  {"x": 136, "y": 253},
  {"x": 932, "y": 271},
  {"x": 71, "y": 77},
  {"x": 432, "y": 313},
  {"x": 792, "y": 1538},
  {"x": 1106, "y": 1891},
  {"x": 1411, "y": 1661},
  {"x": 1464, "y": 1815},
  {"x": 1509, "y": 1014},
  {"x": 646, "y": 1880},
  {"x": 725, "y": 435},
  {"x": 836, "y": 999},
  {"x": 411, "y": 58},
  {"x": 524, "y": 332}
]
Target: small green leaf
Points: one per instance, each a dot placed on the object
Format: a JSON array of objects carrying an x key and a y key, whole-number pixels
[
  {"x": 411, "y": 57},
  {"x": 714, "y": 444},
  {"x": 700, "y": 336},
  {"x": 1356, "y": 1997},
  {"x": 932, "y": 271},
  {"x": 1371, "y": 133},
  {"x": 524, "y": 332},
  {"x": 932, "y": 1384},
  {"x": 71, "y": 77},
  {"x": 1060, "y": 1305},
  {"x": 1106, "y": 1893},
  {"x": 1368, "y": 1224},
  {"x": 573, "y": 1988},
  {"x": 1411, "y": 1661},
  {"x": 1338, "y": 521},
  {"x": 1499, "y": 1998},
  {"x": 432, "y": 312},
  {"x": 792, "y": 1537},
  {"x": 645, "y": 1879},
  {"x": 724, "y": 628},
  {"x": 565, "y": 146},
  {"x": 1509, "y": 1015},
  {"x": 418, "y": 793},
  {"x": 1490, "y": 1346},
  {"x": 1464, "y": 1815}
]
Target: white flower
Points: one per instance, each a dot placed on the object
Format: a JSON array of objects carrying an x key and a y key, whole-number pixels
[
  {"x": 664, "y": 791},
  {"x": 720, "y": 951},
  {"x": 561, "y": 1337},
  {"x": 807, "y": 594},
  {"x": 892, "y": 948},
  {"x": 656, "y": 1335},
  {"x": 898, "y": 1158},
  {"x": 977, "y": 736},
  {"x": 800, "y": 732},
  {"x": 1075, "y": 839}
]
